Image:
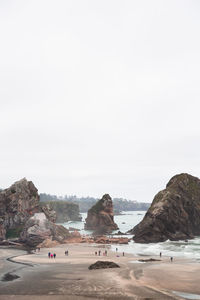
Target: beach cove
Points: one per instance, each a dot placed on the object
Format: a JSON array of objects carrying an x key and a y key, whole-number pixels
[{"x": 68, "y": 277}]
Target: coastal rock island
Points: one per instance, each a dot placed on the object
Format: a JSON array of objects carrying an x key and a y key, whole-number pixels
[
  {"x": 174, "y": 213},
  {"x": 100, "y": 217}
]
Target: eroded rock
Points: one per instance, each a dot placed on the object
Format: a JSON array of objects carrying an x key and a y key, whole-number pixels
[
  {"x": 17, "y": 204},
  {"x": 174, "y": 213},
  {"x": 38, "y": 229},
  {"x": 100, "y": 217}
]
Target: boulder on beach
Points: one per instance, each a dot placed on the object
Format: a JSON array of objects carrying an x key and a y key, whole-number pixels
[
  {"x": 174, "y": 213},
  {"x": 100, "y": 217},
  {"x": 103, "y": 265}
]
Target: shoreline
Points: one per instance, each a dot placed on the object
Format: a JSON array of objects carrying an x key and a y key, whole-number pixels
[{"x": 69, "y": 275}]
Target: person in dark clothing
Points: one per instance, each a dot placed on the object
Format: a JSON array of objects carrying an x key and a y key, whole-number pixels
[
  {"x": 49, "y": 254},
  {"x": 171, "y": 259},
  {"x": 160, "y": 254},
  {"x": 54, "y": 255},
  {"x": 99, "y": 252}
]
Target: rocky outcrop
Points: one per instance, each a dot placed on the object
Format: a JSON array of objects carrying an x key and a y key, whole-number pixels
[
  {"x": 22, "y": 217},
  {"x": 100, "y": 217},
  {"x": 17, "y": 204},
  {"x": 111, "y": 240},
  {"x": 174, "y": 213},
  {"x": 49, "y": 212},
  {"x": 38, "y": 229},
  {"x": 65, "y": 211}
]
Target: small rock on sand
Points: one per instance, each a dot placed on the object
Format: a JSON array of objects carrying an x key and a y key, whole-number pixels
[{"x": 103, "y": 265}]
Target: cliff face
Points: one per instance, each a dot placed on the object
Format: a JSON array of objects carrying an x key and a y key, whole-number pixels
[
  {"x": 100, "y": 217},
  {"x": 174, "y": 213},
  {"x": 17, "y": 204},
  {"x": 65, "y": 211},
  {"x": 21, "y": 216}
]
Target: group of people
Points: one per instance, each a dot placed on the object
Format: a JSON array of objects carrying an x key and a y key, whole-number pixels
[
  {"x": 51, "y": 255},
  {"x": 105, "y": 253}
]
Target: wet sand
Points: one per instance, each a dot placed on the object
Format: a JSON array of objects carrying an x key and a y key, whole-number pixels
[{"x": 68, "y": 277}]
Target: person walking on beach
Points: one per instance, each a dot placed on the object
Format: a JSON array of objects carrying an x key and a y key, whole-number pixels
[
  {"x": 116, "y": 249},
  {"x": 123, "y": 253},
  {"x": 99, "y": 252},
  {"x": 49, "y": 254},
  {"x": 160, "y": 254},
  {"x": 54, "y": 255},
  {"x": 106, "y": 252},
  {"x": 171, "y": 259}
]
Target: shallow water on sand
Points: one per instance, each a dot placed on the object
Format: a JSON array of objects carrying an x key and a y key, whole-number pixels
[
  {"x": 187, "y": 295},
  {"x": 127, "y": 221}
]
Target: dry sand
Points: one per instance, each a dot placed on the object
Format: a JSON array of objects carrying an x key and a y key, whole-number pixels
[{"x": 68, "y": 277}]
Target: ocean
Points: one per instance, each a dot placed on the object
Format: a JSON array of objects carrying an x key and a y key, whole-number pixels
[{"x": 127, "y": 220}]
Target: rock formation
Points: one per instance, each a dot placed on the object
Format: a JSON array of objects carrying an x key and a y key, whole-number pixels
[
  {"x": 38, "y": 228},
  {"x": 65, "y": 211},
  {"x": 174, "y": 213},
  {"x": 49, "y": 212},
  {"x": 17, "y": 204},
  {"x": 22, "y": 217},
  {"x": 100, "y": 217}
]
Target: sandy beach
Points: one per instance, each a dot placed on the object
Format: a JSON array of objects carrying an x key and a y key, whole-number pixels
[{"x": 68, "y": 277}]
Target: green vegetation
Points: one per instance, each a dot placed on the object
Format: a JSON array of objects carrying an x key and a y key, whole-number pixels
[
  {"x": 85, "y": 203},
  {"x": 66, "y": 211},
  {"x": 14, "y": 233}
]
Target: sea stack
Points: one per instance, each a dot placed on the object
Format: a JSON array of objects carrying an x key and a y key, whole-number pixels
[
  {"x": 17, "y": 204},
  {"x": 100, "y": 217},
  {"x": 21, "y": 216},
  {"x": 174, "y": 213}
]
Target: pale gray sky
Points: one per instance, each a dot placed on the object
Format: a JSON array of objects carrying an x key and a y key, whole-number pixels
[{"x": 99, "y": 96}]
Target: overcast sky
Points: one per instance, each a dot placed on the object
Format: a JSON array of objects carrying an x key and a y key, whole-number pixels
[{"x": 99, "y": 96}]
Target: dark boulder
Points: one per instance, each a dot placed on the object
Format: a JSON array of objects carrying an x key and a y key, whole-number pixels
[
  {"x": 103, "y": 265},
  {"x": 148, "y": 260},
  {"x": 174, "y": 213}
]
